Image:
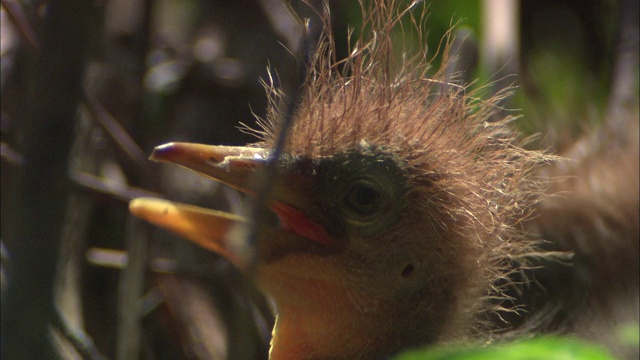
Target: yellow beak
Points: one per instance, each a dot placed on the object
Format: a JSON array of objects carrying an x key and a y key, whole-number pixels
[
  {"x": 209, "y": 229},
  {"x": 213, "y": 230}
]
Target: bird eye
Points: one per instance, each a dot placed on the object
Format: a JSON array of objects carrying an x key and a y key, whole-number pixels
[{"x": 363, "y": 200}]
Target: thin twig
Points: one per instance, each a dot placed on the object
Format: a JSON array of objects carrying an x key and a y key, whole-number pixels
[
  {"x": 113, "y": 128},
  {"x": 270, "y": 171},
  {"x": 97, "y": 184},
  {"x": 78, "y": 338}
]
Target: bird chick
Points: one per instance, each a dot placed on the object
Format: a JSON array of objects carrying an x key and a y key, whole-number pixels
[{"x": 398, "y": 199}]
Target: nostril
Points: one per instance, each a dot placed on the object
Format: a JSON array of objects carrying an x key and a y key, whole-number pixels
[{"x": 407, "y": 271}]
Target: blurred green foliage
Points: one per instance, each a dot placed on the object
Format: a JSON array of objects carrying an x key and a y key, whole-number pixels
[
  {"x": 543, "y": 348},
  {"x": 566, "y": 55}
]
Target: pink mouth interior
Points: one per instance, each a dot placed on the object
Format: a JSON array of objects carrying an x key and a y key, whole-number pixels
[{"x": 294, "y": 220}]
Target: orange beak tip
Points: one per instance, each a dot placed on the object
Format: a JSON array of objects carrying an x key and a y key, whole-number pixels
[{"x": 137, "y": 206}]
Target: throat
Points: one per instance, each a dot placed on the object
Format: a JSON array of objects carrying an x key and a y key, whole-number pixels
[
  {"x": 321, "y": 315},
  {"x": 330, "y": 322}
]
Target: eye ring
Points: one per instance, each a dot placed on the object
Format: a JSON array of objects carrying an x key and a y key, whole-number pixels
[{"x": 363, "y": 199}]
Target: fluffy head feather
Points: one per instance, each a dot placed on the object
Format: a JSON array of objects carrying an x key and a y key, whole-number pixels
[{"x": 469, "y": 180}]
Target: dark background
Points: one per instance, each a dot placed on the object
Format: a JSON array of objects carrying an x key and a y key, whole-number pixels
[{"x": 90, "y": 87}]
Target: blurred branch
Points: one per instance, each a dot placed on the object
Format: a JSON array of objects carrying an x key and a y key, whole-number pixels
[
  {"x": 40, "y": 192},
  {"x": 201, "y": 324},
  {"x": 98, "y": 185},
  {"x": 500, "y": 39},
  {"x": 19, "y": 19},
  {"x": 119, "y": 259},
  {"x": 10, "y": 154},
  {"x": 130, "y": 291},
  {"x": 463, "y": 58},
  {"x": 131, "y": 285},
  {"x": 624, "y": 84},
  {"x": 500, "y": 44},
  {"x": 81, "y": 341}
]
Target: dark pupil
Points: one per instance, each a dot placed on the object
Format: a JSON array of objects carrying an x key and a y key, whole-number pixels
[{"x": 363, "y": 200}]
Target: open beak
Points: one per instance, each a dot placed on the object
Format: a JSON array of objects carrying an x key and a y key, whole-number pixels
[
  {"x": 214, "y": 230},
  {"x": 209, "y": 229}
]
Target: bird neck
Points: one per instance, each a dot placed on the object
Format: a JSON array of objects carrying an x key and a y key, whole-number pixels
[{"x": 334, "y": 323}]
